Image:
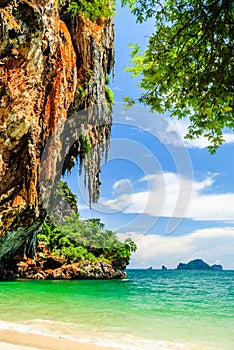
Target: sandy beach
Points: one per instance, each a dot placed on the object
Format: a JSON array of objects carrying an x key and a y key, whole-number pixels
[
  {"x": 7, "y": 346},
  {"x": 11, "y": 340}
]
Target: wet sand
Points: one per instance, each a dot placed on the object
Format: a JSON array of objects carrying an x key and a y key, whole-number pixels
[{"x": 12, "y": 340}]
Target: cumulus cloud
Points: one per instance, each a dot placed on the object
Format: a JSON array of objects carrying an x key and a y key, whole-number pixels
[
  {"x": 171, "y": 195},
  {"x": 212, "y": 245}
]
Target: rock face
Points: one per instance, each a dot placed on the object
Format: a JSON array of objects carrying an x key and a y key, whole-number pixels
[
  {"x": 56, "y": 269},
  {"x": 51, "y": 67},
  {"x": 217, "y": 267},
  {"x": 198, "y": 264}
]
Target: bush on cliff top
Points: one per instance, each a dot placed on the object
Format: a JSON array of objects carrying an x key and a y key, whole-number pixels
[
  {"x": 78, "y": 240},
  {"x": 95, "y": 9},
  {"x": 92, "y": 9}
]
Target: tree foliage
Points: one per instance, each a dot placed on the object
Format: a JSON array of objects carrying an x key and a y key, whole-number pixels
[
  {"x": 187, "y": 68},
  {"x": 92, "y": 9},
  {"x": 78, "y": 240},
  {"x": 63, "y": 190}
]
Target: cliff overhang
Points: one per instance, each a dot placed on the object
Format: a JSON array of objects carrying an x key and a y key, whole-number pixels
[{"x": 52, "y": 67}]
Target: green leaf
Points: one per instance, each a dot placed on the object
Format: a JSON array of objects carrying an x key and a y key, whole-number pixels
[{"x": 187, "y": 68}]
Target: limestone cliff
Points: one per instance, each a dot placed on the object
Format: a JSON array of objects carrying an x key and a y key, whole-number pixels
[{"x": 51, "y": 67}]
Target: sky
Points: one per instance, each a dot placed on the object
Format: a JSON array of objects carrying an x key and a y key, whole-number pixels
[{"x": 168, "y": 194}]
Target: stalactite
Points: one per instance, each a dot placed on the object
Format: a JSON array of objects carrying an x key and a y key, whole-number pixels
[{"x": 52, "y": 67}]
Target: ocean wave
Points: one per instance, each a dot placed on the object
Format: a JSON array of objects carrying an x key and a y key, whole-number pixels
[{"x": 68, "y": 331}]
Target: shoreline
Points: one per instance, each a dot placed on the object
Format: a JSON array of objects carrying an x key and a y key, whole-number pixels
[
  {"x": 15, "y": 340},
  {"x": 12, "y": 340},
  {"x": 16, "y": 336}
]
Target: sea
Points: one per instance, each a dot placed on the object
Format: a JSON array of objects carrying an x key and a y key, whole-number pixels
[{"x": 150, "y": 309}]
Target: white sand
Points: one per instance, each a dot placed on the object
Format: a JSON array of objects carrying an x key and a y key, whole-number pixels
[
  {"x": 11, "y": 340},
  {"x": 7, "y": 346}
]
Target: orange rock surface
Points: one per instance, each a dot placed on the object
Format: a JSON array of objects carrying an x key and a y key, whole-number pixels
[{"x": 44, "y": 56}]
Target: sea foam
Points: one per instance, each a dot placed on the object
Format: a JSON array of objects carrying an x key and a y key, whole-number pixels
[{"x": 61, "y": 330}]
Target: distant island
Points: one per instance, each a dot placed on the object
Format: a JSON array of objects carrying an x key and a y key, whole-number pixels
[{"x": 198, "y": 264}]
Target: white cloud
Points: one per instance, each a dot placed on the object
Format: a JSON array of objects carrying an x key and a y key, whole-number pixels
[
  {"x": 211, "y": 245},
  {"x": 170, "y": 131},
  {"x": 128, "y": 119},
  {"x": 171, "y": 195},
  {"x": 181, "y": 129},
  {"x": 117, "y": 88},
  {"x": 212, "y": 207},
  {"x": 229, "y": 137},
  {"x": 123, "y": 186}
]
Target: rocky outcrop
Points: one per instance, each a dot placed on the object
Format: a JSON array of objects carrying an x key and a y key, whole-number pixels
[
  {"x": 51, "y": 67},
  {"x": 38, "y": 81},
  {"x": 198, "y": 264},
  {"x": 55, "y": 268},
  {"x": 81, "y": 270},
  {"x": 217, "y": 267}
]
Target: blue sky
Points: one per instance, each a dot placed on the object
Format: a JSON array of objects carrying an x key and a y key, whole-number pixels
[{"x": 170, "y": 195}]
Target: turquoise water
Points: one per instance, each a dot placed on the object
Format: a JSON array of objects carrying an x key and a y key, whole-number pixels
[{"x": 195, "y": 308}]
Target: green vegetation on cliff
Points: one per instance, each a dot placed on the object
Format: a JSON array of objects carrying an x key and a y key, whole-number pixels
[
  {"x": 64, "y": 234},
  {"x": 78, "y": 240},
  {"x": 92, "y": 9}
]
